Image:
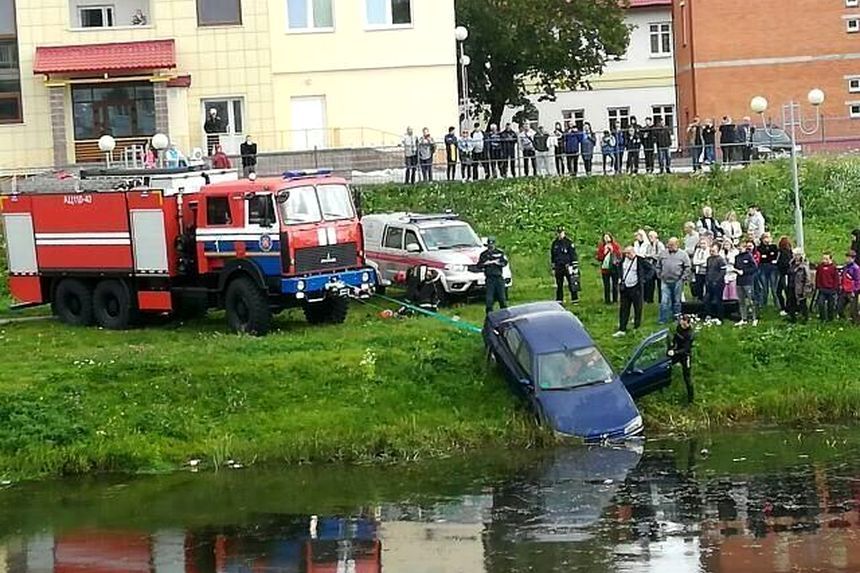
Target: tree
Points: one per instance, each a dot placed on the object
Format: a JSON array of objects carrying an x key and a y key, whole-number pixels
[{"x": 521, "y": 47}]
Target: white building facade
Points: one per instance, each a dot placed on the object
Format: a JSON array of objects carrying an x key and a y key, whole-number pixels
[{"x": 640, "y": 84}]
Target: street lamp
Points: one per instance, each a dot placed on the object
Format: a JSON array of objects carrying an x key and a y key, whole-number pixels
[
  {"x": 160, "y": 142},
  {"x": 792, "y": 117},
  {"x": 461, "y": 34}
]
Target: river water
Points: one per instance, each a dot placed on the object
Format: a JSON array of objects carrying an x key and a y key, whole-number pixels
[{"x": 762, "y": 501}]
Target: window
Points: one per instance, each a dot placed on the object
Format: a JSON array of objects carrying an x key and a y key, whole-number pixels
[
  {"x": 524, "y": 359},
  {"x": 219, "y": 12},
  {"x": 230, "y": 112},
  {"x": 10, "y": 84},
  {"x": 217, "y": 211},
  {"x": 388, "y": 13},
  {"x": 301, "y": 206},
  {"x": 852, "y": 25},
  {"x": 573, "y": 116},
  {"x": 261, "y": 211},
  {"x": 512, "y": 339},
  {"x": 854, "y": 85},
  {"x": 411, "y": 239},
  {"x": 852, "y": 3},
  {"x": 666, "y": 114},
  {"x": 661, "y": 39},
  {"x": 393, "y": 238},
  {"x": 450, "y": 237},
  {"x": 336, "y": 202},
  {"x": 619, "y": 117},
  {"x": 95, "y": 16},
  {"x": 573, "y": 368},
  {"x": 854, "y": 110},
  {"x": 309, "y": 15},
  {"x": 121, "y": 110}
]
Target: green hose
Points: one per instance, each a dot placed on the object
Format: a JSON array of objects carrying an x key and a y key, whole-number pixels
[{"x": 438, "y": 316}]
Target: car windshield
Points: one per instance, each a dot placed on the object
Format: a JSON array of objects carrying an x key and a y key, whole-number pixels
[
  {"x": 336, "y": 202},
  {"x": 449, "y": 237},
  {"x": 301, "y": 206},
  {"x": 572, "y": 369}
]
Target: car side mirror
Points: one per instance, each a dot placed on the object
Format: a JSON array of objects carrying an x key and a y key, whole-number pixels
[
  {"x": 413, "y": 248},
  {"x": 526, "y": 382}
]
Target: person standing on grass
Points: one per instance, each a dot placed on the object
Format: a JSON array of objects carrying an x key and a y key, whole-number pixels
[
  {"x": 409, "y": 143},
  {"x": 571, "y": 150},
  {"x": 709, "y": 138},
  {"x": 729, "y": 252},
  {"x": 681, "y": 352},
  {"x": 640, "y": 243},
  {"x": 783, "y": 264},
  {"x": 673, "y": 270},
  {"x": 663, "y": 139},
  {"x": 527, "y": 148},
  {"x": 849, "y": 288},
  {"x": 691, "y": 238},
  {"x": 707, "y": 223},
  {"x": 768, "y": 270},
  {"x": 509, "y": 151},
  {"x": 649, "y": 144},
  {"x": 609, "y": 255},
  {"x": 699, "y": 261},
  {"x": 248, "y": 151},
  {"x": 695, "y": 143},
  {"x": 587, "y": 145},
  {"x": 558, "y": 133},
  {"x": 731, "y": 228},
  {"x": 607, "y": 149},
  {"x": 800, "y": 287},
  {"x": 565, "y": 266},
  {"x": 653, "y": 252},
  {"x": 746, "y": 269},
  {"x": 492, "y": 261},
  {"x": 426, "y": 150},
  {"x": 543, "y": 152},
  {"x": 451, "y": 153},
  {"x": 632, "y": 143},
  {"x": 755, "y": 224},
  {"x": 635, "y": 272},
  {"x": 715, "y": 282},
  {"x": 827, "y": 283},
  {"x": 465, "y": 149},
  {"x": 479, "y": 153}
]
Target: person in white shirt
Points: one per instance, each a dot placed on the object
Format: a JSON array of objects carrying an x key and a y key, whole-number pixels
[
  {"x": 640, "y": 243},
  {"x": 691, "y": 238},
  {"x": 634, "y": 274},
  {"x": 729, "y": 252},
  {"x": 655, "y": 249},
  {"x": 409, "y": 143},
  {"x": 756, "y": 225},
  {"x": 732, "y": 228}
]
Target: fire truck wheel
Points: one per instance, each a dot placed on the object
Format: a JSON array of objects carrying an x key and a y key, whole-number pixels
[
  {"x": 247, "y": 308},
  {"x": 73, "y": 303},
  {"x": 331, "y": 310},
  {"x": 112, "y": 305}
]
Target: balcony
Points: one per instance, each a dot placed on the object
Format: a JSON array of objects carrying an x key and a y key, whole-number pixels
[{"x": 101, "y": 14}]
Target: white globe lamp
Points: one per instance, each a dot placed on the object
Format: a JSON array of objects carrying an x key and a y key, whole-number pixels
[
  {"x": 107, "y": 144},
  {"x": 465, "y": 60},
  {"x": 758, "y": 104},
  {"x": 461, "y": 33},
  {"x": 160, "y": 141},
  {"x": 815, "y": 97}
]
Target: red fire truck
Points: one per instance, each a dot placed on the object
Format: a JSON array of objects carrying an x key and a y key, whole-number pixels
[{"x": 251, "y": 247}]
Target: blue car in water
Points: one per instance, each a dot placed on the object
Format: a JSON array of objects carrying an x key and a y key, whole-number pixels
[{"x": 550, "y": 359}]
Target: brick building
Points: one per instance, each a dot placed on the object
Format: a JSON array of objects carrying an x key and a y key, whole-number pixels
[{"x": 728, "y": 51}]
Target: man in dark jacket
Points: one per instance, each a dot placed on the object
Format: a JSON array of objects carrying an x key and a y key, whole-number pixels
[
  {"x": 635, "y": 273},
  {"x": 695, "y": 143},
  {"x": 213, "y": 126},
  {"x": 565, "y": 266},
  {"x": 728, "y": 139},
  {"x": 492, "y": 261},
  {"x": 709, "y": 138},
  {"x": 571, "y": 149},
  {"x": 663, "y": 139},
  {"x": 746, "y": 269},
  {"x": 715, "y": 283},
  {"x": 493, "y": 146},
  {"x": 451, "y": 153},
  {"x": 646, "y": 134},
  {"x": 745, "y": 136},
  {"x": 767, "y": 279},
  {"x": 509, "y": 139},
  {"x": 248, "y": 151},
  {"x": 681, "y": 352}
]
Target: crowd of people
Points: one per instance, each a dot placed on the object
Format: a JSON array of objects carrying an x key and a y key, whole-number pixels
[{"x": 569, "y": 150}]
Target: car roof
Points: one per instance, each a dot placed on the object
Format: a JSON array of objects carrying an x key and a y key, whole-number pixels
[{"x": 546, "y": 326}]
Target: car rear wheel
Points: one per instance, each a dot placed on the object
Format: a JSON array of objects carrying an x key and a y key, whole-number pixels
[
  {"x": 112, "y": 305},
  {"x": 73, "y": 303}
]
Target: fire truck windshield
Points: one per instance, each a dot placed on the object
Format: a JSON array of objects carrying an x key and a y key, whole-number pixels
[{"x": 307, "y": 204}]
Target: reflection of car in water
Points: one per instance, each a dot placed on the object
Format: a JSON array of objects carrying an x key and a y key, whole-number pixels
[
  {"x": 552, "y": 362},
  {"x": 569, "y": 494}
]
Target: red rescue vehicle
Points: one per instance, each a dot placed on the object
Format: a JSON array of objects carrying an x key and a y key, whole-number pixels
[{"x": 251, "y": 247}]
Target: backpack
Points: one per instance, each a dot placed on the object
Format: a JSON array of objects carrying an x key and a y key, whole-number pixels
[{"x": 847, "y": 281}]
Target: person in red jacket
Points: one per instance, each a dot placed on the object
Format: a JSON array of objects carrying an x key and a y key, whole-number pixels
[
  {"x": 220, "y": 159},
  {"x": 609, "y": 256},
  {"x": 827, "y": 283}
]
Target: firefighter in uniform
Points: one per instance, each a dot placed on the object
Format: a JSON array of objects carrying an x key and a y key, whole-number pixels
[
  {"x": 492, "y": 261},
  {"x": 681, "y": 352},
  {"x": 565, "y": 266}
]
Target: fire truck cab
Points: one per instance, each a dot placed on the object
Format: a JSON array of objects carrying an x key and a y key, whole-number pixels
[{"x": 253, "y": 247}]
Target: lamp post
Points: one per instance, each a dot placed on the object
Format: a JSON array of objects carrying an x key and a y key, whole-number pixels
[
  {"x": 461, "y": 34},
  {"x": 106, "y": 145},
  {"x": 793, "y": 119},
  {"x": 160, "y": 142}
]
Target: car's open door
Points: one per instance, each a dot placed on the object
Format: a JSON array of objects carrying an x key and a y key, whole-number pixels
[{"x": 649, "y": 369}]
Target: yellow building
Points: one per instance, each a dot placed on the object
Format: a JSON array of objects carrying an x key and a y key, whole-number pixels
[{"x": 294, "y": 74}]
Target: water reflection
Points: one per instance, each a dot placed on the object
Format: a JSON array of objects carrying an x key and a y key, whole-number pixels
[{"x": 588, "y": 509}]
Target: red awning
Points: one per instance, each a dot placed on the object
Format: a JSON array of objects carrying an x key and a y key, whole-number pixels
[{"x": 102, "y": 58}]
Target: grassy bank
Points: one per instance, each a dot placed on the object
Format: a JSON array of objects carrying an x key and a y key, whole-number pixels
[{"x": 77, "y": 400}]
